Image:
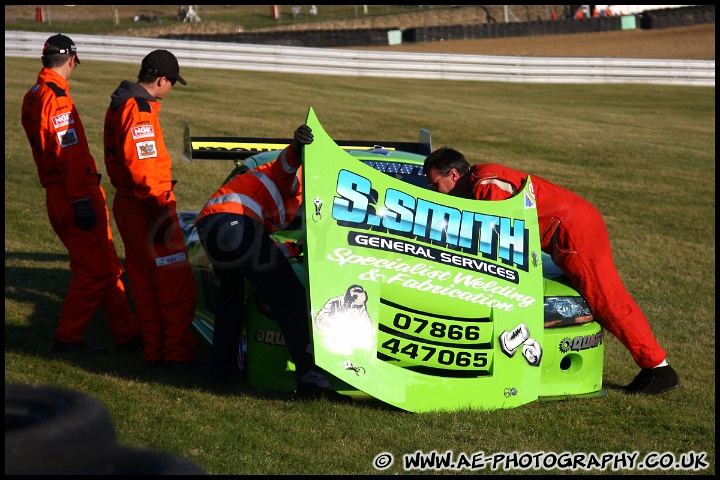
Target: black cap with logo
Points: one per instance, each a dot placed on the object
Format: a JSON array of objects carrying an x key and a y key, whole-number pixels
[
  {"x": 60, "y": 44},
  {"x": 162, "y": 64}
]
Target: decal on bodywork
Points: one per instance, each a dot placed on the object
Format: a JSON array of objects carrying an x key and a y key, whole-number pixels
[{"x": 440, "y": 278}]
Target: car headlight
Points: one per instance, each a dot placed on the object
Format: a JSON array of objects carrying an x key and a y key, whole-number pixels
[{"x": 561, "y": 311}]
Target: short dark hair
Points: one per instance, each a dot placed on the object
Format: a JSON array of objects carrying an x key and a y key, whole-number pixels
[
  {"x": 145, "y": 77},
  {"x": 55, "y": 60},
  {"x": 445, "y": 159}
]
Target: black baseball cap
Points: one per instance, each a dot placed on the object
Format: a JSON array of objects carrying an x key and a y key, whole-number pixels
[
  {"x": 162, "y": 64},
  {"x": 60, "y": 44}
]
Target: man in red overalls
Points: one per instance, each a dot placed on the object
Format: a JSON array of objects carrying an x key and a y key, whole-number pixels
[
  {"x": 573, "y": 233},
  {"x": 75, "y": 204}
]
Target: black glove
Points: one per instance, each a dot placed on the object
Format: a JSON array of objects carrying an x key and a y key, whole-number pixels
[
  {"x": 85, "y": 214},
  {"x": 303, "y": 136}
]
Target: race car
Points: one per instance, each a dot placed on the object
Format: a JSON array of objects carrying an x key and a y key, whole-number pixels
[{"x": 425, "y": 301}]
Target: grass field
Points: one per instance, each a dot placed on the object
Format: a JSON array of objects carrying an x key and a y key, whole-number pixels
[
  {"x": 114, "y": 18},
  {"x": 644, "y": 155}
]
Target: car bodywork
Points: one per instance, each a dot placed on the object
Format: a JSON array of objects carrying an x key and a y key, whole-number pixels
[{"x": 422, "y": 300}]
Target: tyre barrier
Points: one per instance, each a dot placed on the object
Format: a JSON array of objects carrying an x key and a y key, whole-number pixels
[
  {"x": 677, "y": 17},
  {"x": 305, "y": 38},
  {"x": 56, "y": 431},
  {"x": 506, "y": 30},
  {"x": 649, "y": 19}
]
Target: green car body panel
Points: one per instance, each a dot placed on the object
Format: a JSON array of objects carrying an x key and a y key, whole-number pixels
[{"x": 451, "y": 295}]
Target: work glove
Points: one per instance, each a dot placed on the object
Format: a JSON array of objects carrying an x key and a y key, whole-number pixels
[
  {"x": 85, "y": 214},
  {"x": 303, "y": 136}
]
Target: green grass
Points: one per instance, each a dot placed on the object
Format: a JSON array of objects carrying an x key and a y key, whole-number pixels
[
  {"x": 100, "y": 18},
  {"x": 643, "y": 154}
]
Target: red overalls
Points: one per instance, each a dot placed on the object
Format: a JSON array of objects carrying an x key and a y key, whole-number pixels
[{"x": 573, "y": 233}]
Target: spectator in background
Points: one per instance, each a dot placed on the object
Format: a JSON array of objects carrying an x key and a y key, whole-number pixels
[
  {"x": 295, "y": 11},
  {"x": 553, "y": 15},
  {"x": 181, "y": 13},
  {"x": 75, "y": 204},
  {"x": 192, "y": 15},
  {"x": 313, "y": 10}
]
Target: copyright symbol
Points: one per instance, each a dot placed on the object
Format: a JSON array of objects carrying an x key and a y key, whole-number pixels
[{"x": 383, "y": 461}]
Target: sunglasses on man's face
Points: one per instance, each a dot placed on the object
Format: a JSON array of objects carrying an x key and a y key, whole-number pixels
[{"x": 434, "y": 185}]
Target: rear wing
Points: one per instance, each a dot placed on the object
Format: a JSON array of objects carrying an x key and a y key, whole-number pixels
[{"x": 238, "y": 149}]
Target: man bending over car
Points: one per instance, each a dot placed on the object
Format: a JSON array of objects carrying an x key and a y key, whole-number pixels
[
  {"x": 573, "y": 233},
  {"x": 234, "y": 227}
]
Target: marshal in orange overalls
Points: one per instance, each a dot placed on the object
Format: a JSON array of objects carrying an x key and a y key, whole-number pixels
[
  {"x": 162, "y": 283},
  {"x": 234, "y": 227},
  {"x": 68, "y": 173}
]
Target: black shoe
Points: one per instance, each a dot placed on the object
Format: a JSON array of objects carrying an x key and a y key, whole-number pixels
[
  {"x": 79, "y": 347},
  {"x": 186, "y": 366},
  {"x": 134, "y": 345},
  {"x": 654, "y": 381}
]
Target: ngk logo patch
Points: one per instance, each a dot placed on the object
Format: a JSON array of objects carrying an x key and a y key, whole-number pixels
[
  {"x": 143, "y": 132},
  {"x": 62, "y": 120},
  {"x": 146, "y": 149}
]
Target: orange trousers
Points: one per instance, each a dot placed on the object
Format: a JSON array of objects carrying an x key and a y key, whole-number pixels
[
  {"x": 162, "y": 283},
  {"x": 95, "y": 267}
]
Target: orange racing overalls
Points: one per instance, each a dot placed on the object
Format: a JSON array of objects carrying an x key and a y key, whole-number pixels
[
  {"x": 234, "y": 227},
  {"x": 162, "y": 283},
  {"x": 574, "y": 234},
  {"x": 69, "y": 173},
  {"x": 271, "y": 194}
]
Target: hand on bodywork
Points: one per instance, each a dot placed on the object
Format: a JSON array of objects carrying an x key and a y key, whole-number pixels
[{"x": 303, "y": 136}]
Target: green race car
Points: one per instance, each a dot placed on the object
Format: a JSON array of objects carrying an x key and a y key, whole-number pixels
[{"x": 422, "y": 300}]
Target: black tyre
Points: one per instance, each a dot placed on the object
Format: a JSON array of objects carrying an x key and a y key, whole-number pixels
[
  {"x": 38, "y": 417},
  {"x": 56, "y": 431},
  {"x": 108, "y": 459}
]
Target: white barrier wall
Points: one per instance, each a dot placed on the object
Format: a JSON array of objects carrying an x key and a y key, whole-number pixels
[{"x": 361, "y": 63}]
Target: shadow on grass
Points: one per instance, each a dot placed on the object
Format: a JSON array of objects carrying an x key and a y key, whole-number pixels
[
  {"x": 41, "y": 290},
  {"x": 613, "y": 386}
]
